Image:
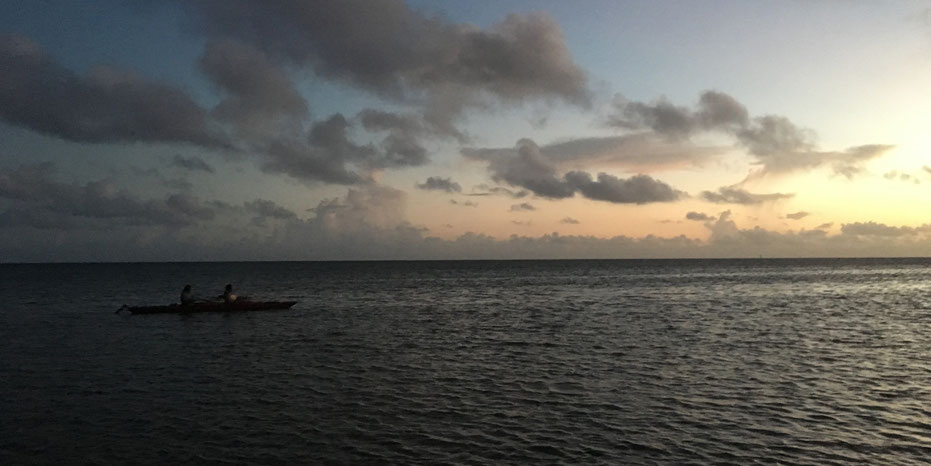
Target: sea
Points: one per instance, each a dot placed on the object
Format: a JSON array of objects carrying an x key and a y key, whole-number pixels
[{"x": 756, "y": 361}]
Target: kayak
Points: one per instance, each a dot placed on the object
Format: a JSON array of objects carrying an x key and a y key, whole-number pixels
[{"x": 235, "y": 306}]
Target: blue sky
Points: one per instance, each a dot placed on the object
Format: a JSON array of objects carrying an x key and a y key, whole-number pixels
[{"x": 169, "y": 130}]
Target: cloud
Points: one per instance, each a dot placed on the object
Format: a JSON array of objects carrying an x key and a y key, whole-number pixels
[
  {"x": 310, "y": 163},
  {"x": 797, "y": 215},
  {"x": 264, "y": 210},
  {"x": 644, "y": 152},
  {"x": 904, "y": 177},
  {"x": 378, "y": 120},
  {"x": 846, "y": 163},
  {"x": 569, "y": 221},
  {"x": 716, "y": 111},
  {"x": 526, "y": 167},
  {"x": 329, "y": 155},
  {"x": 825, "y": 226},
  {"x": 260, "y": 98},
  {"x": 464, "y": 204},
  {"x": 880, "y": 229},
  {"x": 926, "y": 168},
  {"x": 640, "y": 189},
  {"x": 367, "y": 223},
  {"x": 39, "y": 201},
  {"x": 178, "y": 184},
  {"x": 397, "y": 52},
  {"x": 269, "y": 209},
  {"x": 772, "y": 141},
  {"x": 699, "y": 217},
  {"x": 522, "y": 207},
  {"x": 191, "y": 163},
  {"x": 106, "y": 105},
  {"x": 485, "y": 190},
  {"x": 436, "y": 183},
  {"x": 405, "y": 131},
  {"x": 733, "y": 195}
]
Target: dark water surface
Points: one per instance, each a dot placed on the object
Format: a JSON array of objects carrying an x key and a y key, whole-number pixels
[{"x": 757, "y": 361}]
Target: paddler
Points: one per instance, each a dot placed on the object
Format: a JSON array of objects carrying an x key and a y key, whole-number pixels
[
  {"x": 228, "y": 296},
  {"x": 187, "y": 297}
]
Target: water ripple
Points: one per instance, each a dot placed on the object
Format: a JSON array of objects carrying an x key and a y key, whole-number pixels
[{"x": 583, "y": 362}]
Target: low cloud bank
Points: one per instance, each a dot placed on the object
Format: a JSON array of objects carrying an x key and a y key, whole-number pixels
[{"x": 42, "y": 219}]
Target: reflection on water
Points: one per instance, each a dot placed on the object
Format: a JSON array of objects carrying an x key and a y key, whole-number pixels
[{"x": 822, "y": 361}]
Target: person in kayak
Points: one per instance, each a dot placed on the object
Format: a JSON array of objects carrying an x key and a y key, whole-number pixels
[
  {"x": 228, "y": 296},
  {"x": 187, "y": 296}
]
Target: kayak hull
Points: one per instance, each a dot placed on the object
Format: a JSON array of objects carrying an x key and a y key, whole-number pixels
[{"x": 236, "y": 306}]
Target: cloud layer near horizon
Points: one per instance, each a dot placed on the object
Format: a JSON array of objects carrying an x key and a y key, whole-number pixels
[{"x": 367, "y": 223}]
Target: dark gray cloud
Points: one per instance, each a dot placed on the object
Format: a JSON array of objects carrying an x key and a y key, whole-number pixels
[
  {"x": 400, "y": 150},
  {"x": 269, "y": 209},
  {"x": 699, "y": 217},
  {"x": 719, "y": 111},
  {"x": 264, "y": 210},
  {"x": 526, "y": 167},
  {"x": 261, "y": 99},
  {"x": 180, "y": 184},
  {"x": 662, "y": 117},
  {"x": 523, "y": 207},
  {"x": 191, "y": 163},
  {"x": 639, "y": 189},
  {"x": 328, "y": 154},
  {"x": 775, "y": 136},
  {"x": 378, "y": 120},
  {"x": 37, "y": 199},
  {"x": 403, "y": 144},
  {"x": 253, "y": 49},
  {"x": 106, "y": 105},
  {"x": 397, "y": 52},
  {"x": 408, "y": 125},
  {"x": 312, "y": 163},
  {"x": 436, "y": 183},
  {"x": 716, "y": 111},
  {"x": 825, "y": 226},
  {"x": 798, "y": 215},
  {"x": 734, "y": 195},
  {"x": 569, "y": 221}
]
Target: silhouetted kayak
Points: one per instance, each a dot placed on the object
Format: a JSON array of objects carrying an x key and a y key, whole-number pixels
[{"x": 235, "y": 306}]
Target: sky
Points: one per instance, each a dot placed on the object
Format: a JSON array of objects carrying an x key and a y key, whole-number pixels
[{"x": 380, "y": 129}]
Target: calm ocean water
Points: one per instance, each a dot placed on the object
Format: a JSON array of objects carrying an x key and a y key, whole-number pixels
[{"x": 580, "y": 362}]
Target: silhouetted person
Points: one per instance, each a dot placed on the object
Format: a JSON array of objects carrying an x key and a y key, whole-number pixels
[
  {"x": 187, "y": 297},
  {"x": 228, "y": 296}
]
